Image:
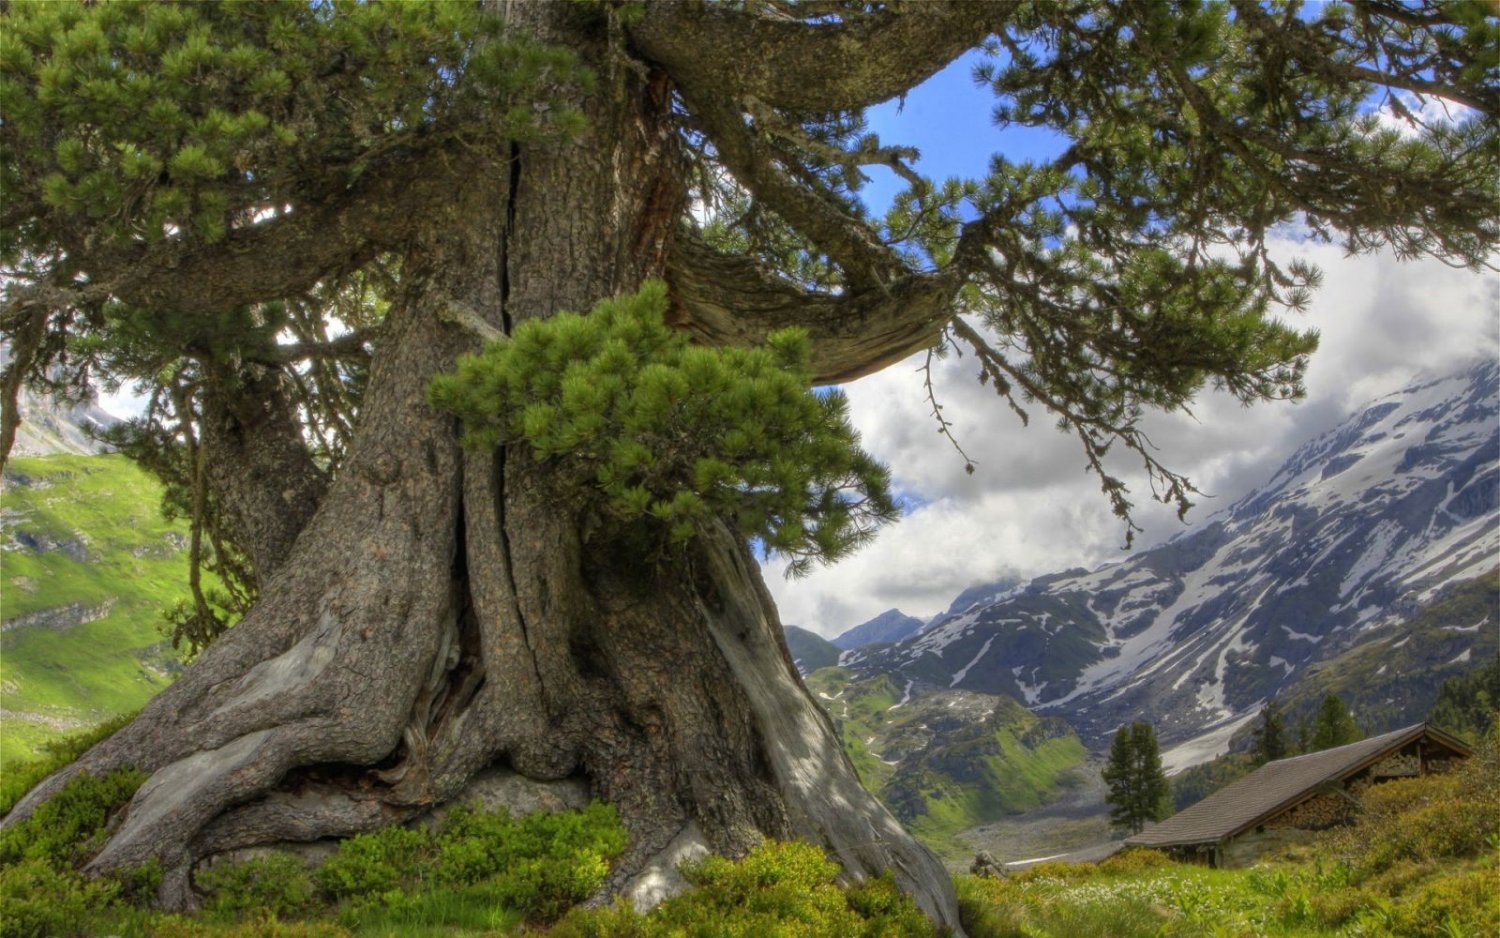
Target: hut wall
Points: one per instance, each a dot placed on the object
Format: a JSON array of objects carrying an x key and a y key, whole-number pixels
[{"x": 1247, "y": 848}]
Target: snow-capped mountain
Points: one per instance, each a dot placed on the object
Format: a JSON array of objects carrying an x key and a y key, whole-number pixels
[{"x": 1360, "y": 530}]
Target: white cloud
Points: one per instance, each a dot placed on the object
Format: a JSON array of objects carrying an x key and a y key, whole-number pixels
[
  {"x": 1428, "y": 110},
  {"x": 1030, "y": 507}
]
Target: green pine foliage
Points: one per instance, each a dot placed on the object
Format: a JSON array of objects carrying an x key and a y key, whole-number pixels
[
  {"x": 1270, "y": 735},
  {"x": 1333, "y": 726},
  {"x": 1138, "y": 789},
  {"x": 139, "y": 120},
  {"x": 1469, "y": 704},
  {"x": 653, "y": 434}
]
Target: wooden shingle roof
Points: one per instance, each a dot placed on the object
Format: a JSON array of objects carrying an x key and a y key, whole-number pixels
[{"x": 1277, "y": 786}]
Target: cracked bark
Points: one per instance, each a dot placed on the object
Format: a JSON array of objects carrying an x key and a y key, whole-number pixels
[{"x": 259, "y": 467}]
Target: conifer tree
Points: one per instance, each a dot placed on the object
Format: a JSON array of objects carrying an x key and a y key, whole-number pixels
[
  {"x": 1303, "y": 736},
  {"x": 1270, "y": 735},
  {"x": 1469, "y": 704},
  {"x": 1333, "y": 725},
  {"x": 1138, "y": 788},
  {"x": 284, "y": 221}
]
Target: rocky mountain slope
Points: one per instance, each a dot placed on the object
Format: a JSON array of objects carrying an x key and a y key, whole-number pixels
[
  {"x": 51, "y": 424},
  {"x": 1360, "y": 531},
  {"x": 890, "y": 626},
  {"x": 947, "y": 760}
]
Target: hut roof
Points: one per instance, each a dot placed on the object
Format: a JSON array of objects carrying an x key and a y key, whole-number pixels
[{"x": 1277, "y": 786}]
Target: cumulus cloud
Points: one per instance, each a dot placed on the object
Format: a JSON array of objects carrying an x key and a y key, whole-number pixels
[{"x": 1030, "y": 508}]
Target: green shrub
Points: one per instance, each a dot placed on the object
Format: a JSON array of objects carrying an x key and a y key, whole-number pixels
[
  {"x": 1466, "y": 903},
  {"x": 431, "y": 909},
  {"x": 539, "y": 865},
  {"x": 17, "y": 780},
  {"x": 475, "y": 865},
  {"x": 1334, "y": 908},
  {"x": 372, "y": 863},
  {"x": 654, "y": 436},
  {"x": 989, "y": 907},
  {"x": 69, "y": 826},
  {"x": 278, "y": 884},
  {"x": 779, "y": 890},
  {"x": 1134, "y": 861},
  {"x": 37, "y": 898}
]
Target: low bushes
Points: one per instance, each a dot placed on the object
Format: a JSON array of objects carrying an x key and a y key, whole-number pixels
[
  {"x": 40, "y": 891},
  {"x": 1423, "y": 859},
  {"x": 780, "y": 890},
  {"x": 488, "y": 869},
  {"x": 17, "y": 780}
]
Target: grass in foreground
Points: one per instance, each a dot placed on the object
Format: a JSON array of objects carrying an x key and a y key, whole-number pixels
[
  {"x": 476, "y": 873},
  {"x": 1423, "y": 860}
]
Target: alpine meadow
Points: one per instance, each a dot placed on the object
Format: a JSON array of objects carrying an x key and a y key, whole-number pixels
[{"x": 480, "y": 339}]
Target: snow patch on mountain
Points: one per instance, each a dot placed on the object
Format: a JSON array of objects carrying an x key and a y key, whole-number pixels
[{"x": 1355, "y": 532}]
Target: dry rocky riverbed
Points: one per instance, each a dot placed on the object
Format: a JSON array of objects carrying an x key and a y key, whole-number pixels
[{"x": 1078, "y": 821}]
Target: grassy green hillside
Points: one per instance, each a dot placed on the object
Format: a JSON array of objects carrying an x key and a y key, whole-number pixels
[
  {"x": 86, "y": 564},
  {"x": 946, "y": 761},
  {"x": 810, "y": 650}
]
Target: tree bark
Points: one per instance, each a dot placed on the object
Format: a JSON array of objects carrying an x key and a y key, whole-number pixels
[
  {"x": 445, "y": 611},
  {"x": 259, "y": 466}
]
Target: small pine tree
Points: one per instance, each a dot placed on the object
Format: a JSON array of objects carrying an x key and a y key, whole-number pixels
[
  {"x": 647, "y": 431},
  {"x": 1270, "y": 735},
  {"x": 1138, "y": 787},
  {"x": 1333, "y": 726},
  {"x": 1304, "y": 736}
]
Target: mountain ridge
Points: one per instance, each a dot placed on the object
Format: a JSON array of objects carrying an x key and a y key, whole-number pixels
[
  {"x": 1358, "y": 530},
  {"x": 890, "y": 626}
]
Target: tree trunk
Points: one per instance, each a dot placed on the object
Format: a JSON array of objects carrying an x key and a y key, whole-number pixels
[
  {"x": 267, "y": 483},
  {"x": 443, "y": 611}
]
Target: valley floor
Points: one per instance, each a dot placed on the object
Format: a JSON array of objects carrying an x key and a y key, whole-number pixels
[{"x": 1079, "y": 820}]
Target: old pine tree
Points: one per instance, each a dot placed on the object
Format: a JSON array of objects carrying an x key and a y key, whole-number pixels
[{"x": 286, "y": 219}]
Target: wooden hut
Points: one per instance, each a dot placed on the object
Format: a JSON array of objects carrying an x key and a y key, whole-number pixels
[{"x": 1285, "y": 801}]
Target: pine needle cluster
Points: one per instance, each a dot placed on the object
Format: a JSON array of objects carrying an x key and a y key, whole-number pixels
[
  {"x": 141, "y": 121},
  {"x": 652, "y": 432}
]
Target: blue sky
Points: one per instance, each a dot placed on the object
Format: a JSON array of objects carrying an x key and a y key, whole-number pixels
[
  {"x": 1030, "y": 509},
  {"x": 948, "y": 119}
]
